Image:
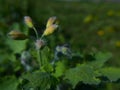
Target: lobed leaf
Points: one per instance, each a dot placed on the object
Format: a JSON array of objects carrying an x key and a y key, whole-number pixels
[
  {"x": 9, "y": 83},
  {"x": 101, "y": 58},
  {"x": 16, "y": 46},
  {"x": 40, "y": 80},
  {"x": 112, "y": 73},
  {"x": 60, "y": 69},
  {"x": 83, "y": 73}
]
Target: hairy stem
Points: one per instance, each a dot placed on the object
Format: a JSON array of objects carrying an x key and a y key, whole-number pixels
[
  {"x": 36, "y": 33},
  {"x": 39, "y": 56}
]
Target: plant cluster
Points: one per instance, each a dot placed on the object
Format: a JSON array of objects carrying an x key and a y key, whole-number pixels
[{"x": 59, "y": 70}]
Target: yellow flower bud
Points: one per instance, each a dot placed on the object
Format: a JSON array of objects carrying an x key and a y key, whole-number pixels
[
  {"x": 110, "y": 29},
  {"x": 28, "y": 21},
  {"x": 16, "y": 35},
  {"x": 117, "y": 43},
  {"x": 110, "y": 13},
  {"x": 88, "y": 19},
  {"x": 50, "y": 21},
  {"x": 100, "y": 32},
  {"x": 49, "y": 30}
]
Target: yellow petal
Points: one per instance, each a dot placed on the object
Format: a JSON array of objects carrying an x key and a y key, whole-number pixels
[
  {"x": 50, "y": 29},
  {"x": 28, "y": 21},
  {"x": 50, "y": 21}
]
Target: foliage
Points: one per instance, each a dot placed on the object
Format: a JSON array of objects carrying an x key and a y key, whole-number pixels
[
  {"x": 9, "y": 82},
  {"x": 84, "y": 73},
  {"x": 101, "y": 58},
  {"x": 90, "y": 73},
  {"x": 41, "y": 63},
  {"x": 113, "y": 74},
  {"x": 49, "y": 74},
  {"x": 39, "y": 80}
]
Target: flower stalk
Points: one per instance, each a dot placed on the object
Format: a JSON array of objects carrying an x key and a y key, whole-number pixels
[
  {"x": 29, "y": 23},
  {"x": 51, "y": 26},
  {"x": 39, "y": 56}
]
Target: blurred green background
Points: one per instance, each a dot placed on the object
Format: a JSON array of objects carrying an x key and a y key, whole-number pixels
[{"x": 85, "y": 25}]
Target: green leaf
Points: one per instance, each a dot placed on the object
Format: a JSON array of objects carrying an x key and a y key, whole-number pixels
[
  {"x": 112, "y": 73},
  {"x": 47, "y": 67},
  {"x": 16, "y": 46},
  {"x": 40, "y": 80},
  {"x": 101, "y": 58},
  {"x": 60, "y": 69},
  {"x": 46, "y": 54},
  {"x": 9, "y": 83},
  {"x": 82, "y": 73}
]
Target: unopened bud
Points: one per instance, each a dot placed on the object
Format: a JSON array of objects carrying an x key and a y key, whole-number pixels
[
  {"x": 50, "y": 21},
  {"x": 17, "y": 35},
  {"x": 39, "y": 44},
  {"x": 117, "y": 43},
  {"x": 28, "y": 21},
  {"x": 64, "y": 50},
  {"x": 88, "y": 19},
  {"x": 49, "y": 30}
]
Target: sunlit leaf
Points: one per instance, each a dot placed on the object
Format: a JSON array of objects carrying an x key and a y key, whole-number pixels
[
  {"x": 82, "y": 73},
  {"x": 16, "y": 46},
  {"x": 60, "y": 69},
  {"x": 112, "y": 73},
  {"x": 100, "y": 59}
]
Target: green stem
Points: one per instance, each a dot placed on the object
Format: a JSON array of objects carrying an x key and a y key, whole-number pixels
[
  {"x": 42, "y": 36},
  {"x": 36, "y": 33},
  {"x": 39, "y": 56}
]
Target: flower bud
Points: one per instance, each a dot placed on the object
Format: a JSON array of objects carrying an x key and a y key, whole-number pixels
[
  {"x": 100, "y": 32},
  {"x": 49, "y": 30},
  {"x": 17, "y": 35},
  {"x": 25, "y": 55},
  {"x": 26, "y": 60},
  {"x": 63, "y": 50},
  {"x": 117, "y": 43},
  {"x": 39, "y": 44},
  {"x": 50, "y": 21},
  {"x": 28, "y": 21},
  {"x": 88, "y": 19}
]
